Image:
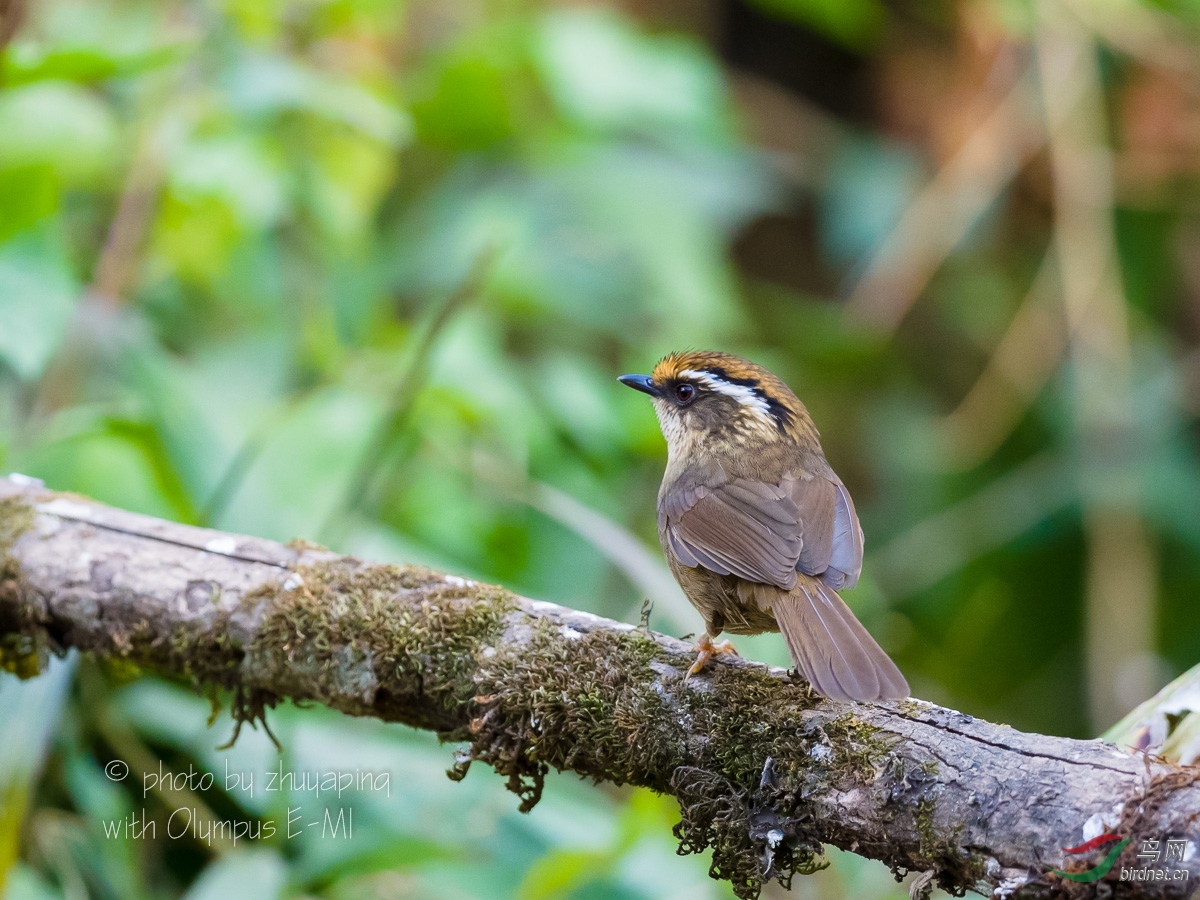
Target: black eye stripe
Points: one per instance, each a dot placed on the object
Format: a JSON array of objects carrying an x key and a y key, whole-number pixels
[
  {"x": 780, "y": 413},
  {"x": 752, "y": 383}
]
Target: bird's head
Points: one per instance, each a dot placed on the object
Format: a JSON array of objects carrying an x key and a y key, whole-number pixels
[{"x": 714, "y": 401}]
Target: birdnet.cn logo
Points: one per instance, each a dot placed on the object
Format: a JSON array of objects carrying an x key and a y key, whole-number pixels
[{"x": 1151, "y": 851}]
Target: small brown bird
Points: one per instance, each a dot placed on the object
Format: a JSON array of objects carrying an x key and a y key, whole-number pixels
[{"x": 757, "y": 529}]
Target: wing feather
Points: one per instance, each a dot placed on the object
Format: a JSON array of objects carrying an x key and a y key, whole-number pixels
[
  {"x": 743, "y": 528},
  {"x": 833, "y": 544},
  {"x": 845, "y": 562},
  {"x": 766, "y": 533}
]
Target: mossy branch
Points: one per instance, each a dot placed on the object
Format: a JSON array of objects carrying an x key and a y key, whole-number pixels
[{"x": 764, "y": 771}]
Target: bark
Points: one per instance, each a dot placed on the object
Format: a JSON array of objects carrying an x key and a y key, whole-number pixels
[{"x": 764, "y": 771}]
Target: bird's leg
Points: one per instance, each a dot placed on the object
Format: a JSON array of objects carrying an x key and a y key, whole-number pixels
[{"x": 707, "y": 650}]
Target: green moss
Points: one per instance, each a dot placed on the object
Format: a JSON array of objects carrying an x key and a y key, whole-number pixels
[
  {"x": 942, "y": 849},
  {"x": 355, "y": 635},
  {"x": 931, "y": 844},
  {"x": 16, "y": 517},
  {"x": 608, "y": 704},
  {"x": 22, "y": 655},
  {"x": 341, "y": 632},
  {"x": 214, "y": 660},
  {"x": 571, "y": 702},
  {"x": 120, "y": 670},
  {"x": 302, "y": 544},
  {"x": 740, "y": 748},
  {"x": 861, "y": 748},
  {"x": 23, "y": 649},
  {"x": 909, "y": 707}
]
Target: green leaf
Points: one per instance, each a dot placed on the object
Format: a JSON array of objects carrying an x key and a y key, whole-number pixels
[
  {"x": 23, "y": 882},
  {"x": 61, "y": 125},
  {"x": 559, "y": 873},
  {"x": 28, "y": 195},
  {"x": 466, "y": 99},
  {"x": 242, "y": 875},
  {"x": 604, "y": 74},
  {"x": 112, "y": 467},
  {"x": 242, "y": 172},
  {"x": 349, "y": 177},
  {"x": 37, "y": 296},
  {"x": 271, "y": 84},
  {"x": 26, "y": 62},
  {"x": 317, "y": 445}
]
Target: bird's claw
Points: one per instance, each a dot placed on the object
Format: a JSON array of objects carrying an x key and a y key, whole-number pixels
[{"x": 707, "y": 650}]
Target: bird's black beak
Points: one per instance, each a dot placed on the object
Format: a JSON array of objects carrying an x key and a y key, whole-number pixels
[{"x": 641, "y": 383}]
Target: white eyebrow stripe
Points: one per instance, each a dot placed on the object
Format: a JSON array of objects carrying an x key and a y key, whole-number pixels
[{"x": 745, "y": 396}]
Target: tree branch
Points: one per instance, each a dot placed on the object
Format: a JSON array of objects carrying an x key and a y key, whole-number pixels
[{"x": 764, "y": 771}]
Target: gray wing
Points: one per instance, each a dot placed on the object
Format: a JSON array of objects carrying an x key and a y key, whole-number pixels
[
  {"x": 833, "y": 539},
  {"x": 741, "y": 527}
]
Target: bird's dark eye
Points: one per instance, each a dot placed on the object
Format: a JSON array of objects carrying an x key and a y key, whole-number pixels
[{"x": 684, "y": 393}]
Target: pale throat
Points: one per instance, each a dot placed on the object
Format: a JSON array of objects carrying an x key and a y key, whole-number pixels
[
  {"x": 753, "y": 425},
  {"x": 680, "y": 438}
]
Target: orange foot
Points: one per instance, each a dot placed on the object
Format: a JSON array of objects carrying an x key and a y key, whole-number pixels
[{"x": 707, "y": 651}]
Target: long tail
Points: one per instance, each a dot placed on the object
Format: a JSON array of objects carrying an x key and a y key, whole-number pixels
[{"x": 831, "y": 648}]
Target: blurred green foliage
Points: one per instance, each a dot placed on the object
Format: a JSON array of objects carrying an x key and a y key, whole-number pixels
[{"x": 364, "y": 272}]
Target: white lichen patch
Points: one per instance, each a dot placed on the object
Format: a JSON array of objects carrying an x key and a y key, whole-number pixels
[
  {"x": 821, "y": 752},
  {"x": 456, "y": 581},
  {"x": 545, "y": 606},
  {"x": 1101, "y": 823},
  {"x": 225, "y": 545},
  {"x": 586, "y": 619},
  {"x": 67, "y": 509},
  {"x": 774, "y": 838},
  {"x": 25, "y": 480},
  {"x": 47, "y": 526},
  {"x": 570, "y": 633},
  {"x": 1010, "y": 885},
  {"x": 292, "y": 582},
  {"x": 354, "y": 673}
]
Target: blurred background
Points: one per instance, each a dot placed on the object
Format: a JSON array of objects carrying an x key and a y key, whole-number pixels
[{"x": 364, "y": 272}]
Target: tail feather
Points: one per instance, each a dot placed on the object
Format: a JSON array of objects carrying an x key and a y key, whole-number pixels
[{"x": 832, "y": 649}]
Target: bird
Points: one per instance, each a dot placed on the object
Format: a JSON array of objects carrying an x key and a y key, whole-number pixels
[{"x": 757, "y": 528}]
